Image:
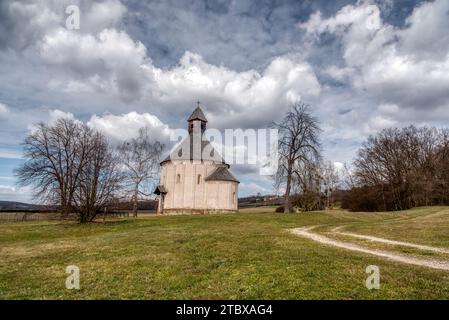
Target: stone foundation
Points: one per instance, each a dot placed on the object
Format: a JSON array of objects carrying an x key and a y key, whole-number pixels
[{"x": 195, "y": 211}]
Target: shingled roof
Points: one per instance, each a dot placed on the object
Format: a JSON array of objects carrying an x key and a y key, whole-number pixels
[
  {"x": 221, "y": 173},
  {"x": 180, "y": 152},
  {"x": 197, "y": 114}
]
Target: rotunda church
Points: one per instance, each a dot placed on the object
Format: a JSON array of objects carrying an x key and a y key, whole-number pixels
[{"x": 194, "y": 177}]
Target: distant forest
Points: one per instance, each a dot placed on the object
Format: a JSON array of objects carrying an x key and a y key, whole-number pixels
[{"x": 399, "y": 169}]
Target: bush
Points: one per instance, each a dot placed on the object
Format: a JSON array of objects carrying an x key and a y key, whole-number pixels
[
  {"x": 279, "y": 209},
  {"x": 374, "y": 198},
  {"x": 310, "y": 201}
]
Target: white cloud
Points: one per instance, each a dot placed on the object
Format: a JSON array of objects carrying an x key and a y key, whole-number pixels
[
  {"x": 101, "y": 62},
  {"x": 108, "y": 49},
  {"x": 407, "y": 67},
  {"x": 31, "y": 20},
  {"x": 426, "y": 33},
  {"x": 115, "y": 127},
  {"x": 378, "y": 123},
  {"x": 252, "y": 188},
  {"x": 7, "y": 188},
  {"x": 103, "y": 15},
  {"x": 3, "y": 111},
  {"x": 121, "y": 127},
  {"x": 14, "y": 122},
  {"x": 12, "y": 193},
  {"x": 10, "y": 154},
  {"x": 111, "y": 62},
  {"x": 233, "y": 96},
  {"x": 338, "y": 165},
  {"x": 56, "y": 114},
  {"x": 364, "y": 15},
  {"x": 24, "y": 24}
]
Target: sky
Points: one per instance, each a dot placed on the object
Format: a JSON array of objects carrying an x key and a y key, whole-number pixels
[{"x": 362, "y": 66}]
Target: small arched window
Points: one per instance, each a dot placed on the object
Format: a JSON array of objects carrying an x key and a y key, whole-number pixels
[
  {"x": 199, "y": 179},
  {"x": 178, "y": 178},
  {"x": 234, "y": 198}
]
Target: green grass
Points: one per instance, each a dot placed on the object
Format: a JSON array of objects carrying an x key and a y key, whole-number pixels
[{"x": 248, "y": 255}]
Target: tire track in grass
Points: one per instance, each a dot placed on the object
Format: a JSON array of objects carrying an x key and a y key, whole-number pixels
[
  {"x": 394, "y": 242},
  {"x": 430, "y": 263}
]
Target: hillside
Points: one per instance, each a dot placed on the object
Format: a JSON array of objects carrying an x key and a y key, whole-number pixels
[{"x": 14, "y": 206}]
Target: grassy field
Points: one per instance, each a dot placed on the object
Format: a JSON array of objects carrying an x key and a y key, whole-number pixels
[{"x": 249, "y": 255}]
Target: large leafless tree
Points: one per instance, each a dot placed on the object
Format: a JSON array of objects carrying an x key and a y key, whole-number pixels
[
  {"x": 55, "y": 157},
  {"x": 71, "y": 165},
  {"x": 140, "y": 158},
  {"x": 299, "y": 148}
]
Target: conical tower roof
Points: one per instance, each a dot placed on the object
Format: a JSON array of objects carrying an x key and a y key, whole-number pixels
[{"x": 197, "y": 114}]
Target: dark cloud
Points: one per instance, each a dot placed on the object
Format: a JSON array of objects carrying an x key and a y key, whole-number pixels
[{"x": 238, "y": 34}]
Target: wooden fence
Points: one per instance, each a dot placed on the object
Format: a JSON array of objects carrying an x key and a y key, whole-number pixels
[{"x": 45, "y": 216}]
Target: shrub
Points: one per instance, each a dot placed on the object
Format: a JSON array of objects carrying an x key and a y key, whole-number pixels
[
  {"x": 374, "y": 198},
  {"x": 280, "y": 209}
]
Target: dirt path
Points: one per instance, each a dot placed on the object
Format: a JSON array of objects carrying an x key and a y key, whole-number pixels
[
  {"x": 393, "y": 242},
  {"x": 430, "y": 263},
  {"x": 432, "y": 215}
]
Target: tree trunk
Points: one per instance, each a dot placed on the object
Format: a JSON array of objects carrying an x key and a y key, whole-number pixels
[
  {"x": 287, "y": 203},
  {"x": 136, "y": 194},
  {"x": 64, "y": 208}
]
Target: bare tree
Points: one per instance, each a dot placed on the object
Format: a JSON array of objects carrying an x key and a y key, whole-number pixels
[
  {"x": 100, "y": 179},
  {"x": 330, "y": 181},
  {"x": 55, "y": 158},
  {"x": 71, "y": 165},
  {"x": 308, "y": 188},
  {"x": 140, "y": 157},
  {"x": 298, "y": 147},
  {"x": 347, "y": 178},
  {"x": 401, "y": 168}
]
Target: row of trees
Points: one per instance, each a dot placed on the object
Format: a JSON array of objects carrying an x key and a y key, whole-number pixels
[
  {"x": 399, "y": 169},
  {"x": 74, "y": 166}
]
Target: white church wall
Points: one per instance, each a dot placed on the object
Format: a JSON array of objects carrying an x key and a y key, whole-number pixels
[{"x": 184, "y": 191}]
